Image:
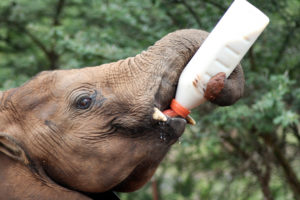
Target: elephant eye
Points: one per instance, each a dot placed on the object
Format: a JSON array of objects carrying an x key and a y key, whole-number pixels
[{"x": 84, "y": 103}]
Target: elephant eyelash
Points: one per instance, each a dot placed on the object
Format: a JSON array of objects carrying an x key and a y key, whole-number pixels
[
  {"x": 84, "y": 103},
  {"x": 96, "y": 100},
  {"x": 101, "y": 99}
]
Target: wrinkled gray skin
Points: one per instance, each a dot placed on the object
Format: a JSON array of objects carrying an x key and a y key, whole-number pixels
[{"x": 53, "y": 148}]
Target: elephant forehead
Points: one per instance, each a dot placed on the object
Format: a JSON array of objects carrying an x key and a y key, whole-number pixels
[
  {"x": 89, "y": 75},
  {"x": 69, "y": 78}
]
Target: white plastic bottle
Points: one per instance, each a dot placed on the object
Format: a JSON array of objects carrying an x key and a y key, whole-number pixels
[{"x": 222, "y": 50}]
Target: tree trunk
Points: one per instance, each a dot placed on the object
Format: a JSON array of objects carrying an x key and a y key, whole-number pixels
[
  {"x": 288, "y": 171},
  {"x": 155, "y": 190}
]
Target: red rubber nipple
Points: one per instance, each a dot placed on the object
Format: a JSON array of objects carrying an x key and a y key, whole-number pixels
[{"x": 177, "y": 109}]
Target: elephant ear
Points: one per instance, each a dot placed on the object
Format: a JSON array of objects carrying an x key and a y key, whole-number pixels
[{"x": 12, "y": 149}]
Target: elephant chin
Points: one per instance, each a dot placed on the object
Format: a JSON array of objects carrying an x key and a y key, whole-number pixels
[
  {"x": 170, "y": 131},
  {"x": 138, "y": 178}
]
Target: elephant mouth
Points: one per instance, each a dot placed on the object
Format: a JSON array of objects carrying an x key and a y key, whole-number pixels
[{"x": 170, "y": 128}]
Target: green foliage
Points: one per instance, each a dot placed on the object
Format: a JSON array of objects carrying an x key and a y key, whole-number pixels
[{"x": 246, "y": 151}]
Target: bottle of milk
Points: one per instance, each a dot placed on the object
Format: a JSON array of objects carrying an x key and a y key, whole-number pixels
[{"x": 222, "y": 50}]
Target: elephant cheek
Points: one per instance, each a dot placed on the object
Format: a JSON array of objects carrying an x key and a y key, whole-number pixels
[{"x": 115, "y": 164}]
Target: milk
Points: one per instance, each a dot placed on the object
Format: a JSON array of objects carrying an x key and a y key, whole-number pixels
[{"x": 222, "y": 50}]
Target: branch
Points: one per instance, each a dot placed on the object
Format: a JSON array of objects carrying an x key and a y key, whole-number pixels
[
  {"x": 35, "y": 40},
  {"x": 216, "y": 4},
  {"x": 59, "y": 7},
  {"x": 22, "y": 28},
  {"x": 173, "y": 19},
  {"x": 50, "y": 54},
  {"x": 282, "y": 140},
  {"x": 289, "y": 173},
  {"x": 252, "y": 58},
  {"x": 296, "y": 131},
  {"x": 53, "y": 57},
  {"x": 263, "y": 178},
  {"x": 166, "y": 8},
  {"x": 29, "y": 34},
  {"x": 297, "y": 65},
  {"x": 155, "y": 191},
  {"x": 191, "y": 10},
  {"x": 11, "y": 46},
  {"x": 289, "y": 35}
]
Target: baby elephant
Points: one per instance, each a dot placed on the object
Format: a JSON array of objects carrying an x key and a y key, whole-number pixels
[{"x": 75, "y": 134}]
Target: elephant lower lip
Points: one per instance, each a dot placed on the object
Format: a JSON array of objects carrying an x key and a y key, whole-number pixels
[{"x": 172, "y": 130}]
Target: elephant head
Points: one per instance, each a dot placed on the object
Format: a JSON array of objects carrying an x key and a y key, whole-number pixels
[{"x": 92, "y": 129}]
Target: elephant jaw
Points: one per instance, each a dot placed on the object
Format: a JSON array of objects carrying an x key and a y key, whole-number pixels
[{"x": 141, "y": 174}]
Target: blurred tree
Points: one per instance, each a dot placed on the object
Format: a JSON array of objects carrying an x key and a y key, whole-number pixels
[{"x": 246, "y": 151}]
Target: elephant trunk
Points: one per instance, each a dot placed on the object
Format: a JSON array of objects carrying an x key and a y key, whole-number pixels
[
  {"x": 167, "y": 58},
  {"x": 152, "y": 76},
  {"x": 164, "y": 61},
  {"x": 171, "y": 53}
]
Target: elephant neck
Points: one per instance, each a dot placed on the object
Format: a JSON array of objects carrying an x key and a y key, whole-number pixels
[{"x": 19, "y": 182}]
